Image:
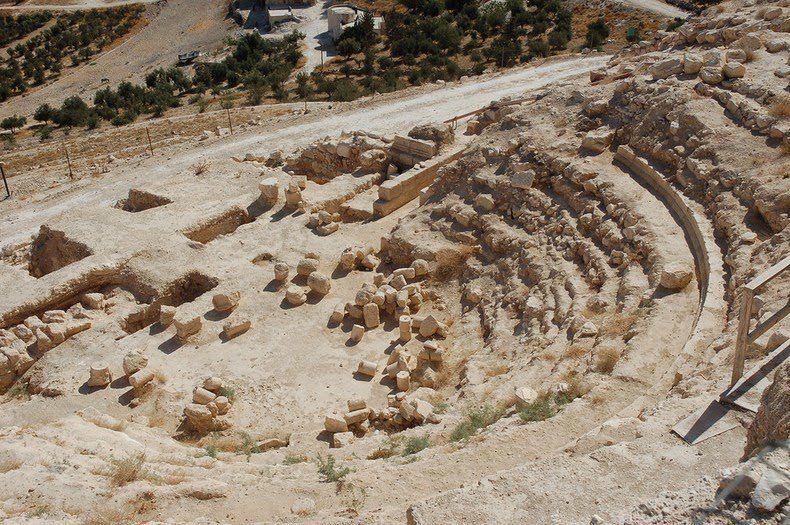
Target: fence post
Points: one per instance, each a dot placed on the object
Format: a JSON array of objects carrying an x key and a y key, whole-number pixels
[
  {"x": 150, "y": 146},
  {"x": 230, "y": 124},
  {"x": 68, "y": 160},
  {"x": 5, "y": 182},
  {"x": 742, "y": 339}
]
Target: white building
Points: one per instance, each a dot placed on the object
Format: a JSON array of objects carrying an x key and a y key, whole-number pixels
[{"x": 342, "y": 16}]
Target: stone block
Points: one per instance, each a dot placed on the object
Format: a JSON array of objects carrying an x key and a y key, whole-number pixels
[
  {"x": 226, "y": 302},
  {"x": 100, "y": 375},
  {"x": 236, "y": 326},
  {"x": 134, "y": 361},
  {"x": 370, "y": 313},
  {"x": 335, "y": 423},
  {"x": 367, "y": 368}
]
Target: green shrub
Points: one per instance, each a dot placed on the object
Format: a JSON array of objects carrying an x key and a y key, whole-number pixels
[
  {"x": 13, "y": 123},
  {"x": 329, "y": 471},
  {"x": 474, "y": 420},
  {"x": 415, "y": 444},
  {"x": 228, "y": 392},
  {"x": 540, "y": 410},
  {"x": 292, "y": 459},
  {"x": 597, "y": 33}
]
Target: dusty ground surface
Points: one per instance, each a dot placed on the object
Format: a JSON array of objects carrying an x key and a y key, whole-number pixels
[{"x": 585, "y": 243}]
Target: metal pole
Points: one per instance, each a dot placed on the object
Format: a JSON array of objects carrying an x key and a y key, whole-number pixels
[
  {"x": 322, "y": 58},
  {"x": 150, "y": 146},
  {"x": 230, "y": 124},
  {"x": 68, "y": 161},
  {"x": 5, "y": 182}
]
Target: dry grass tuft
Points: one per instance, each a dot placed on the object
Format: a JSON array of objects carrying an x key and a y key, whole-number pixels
[
  {"x": 598, "y": 399},
  {"x": 127, "y": 470},
  {"x": 617, "y": 325},
  {"x": 607, "y": 359},
  {"x": 780, "y": 107},
  {"x": 450, "y": 263},
  {"x": 237, "y": 443},
  {"x": 160, "y": 377},
  {"x": 576, "y": 351},
  {"x": 201, "y": 167},
  {"x": 497, "y": 370},
  {"x": 9, "y": 464}
]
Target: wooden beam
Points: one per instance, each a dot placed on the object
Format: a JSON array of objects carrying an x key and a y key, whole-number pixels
[
  {"x": 762, "y": 279},
  {"x": 742, "y": 339},
  {"x": 769, "y": 323}
]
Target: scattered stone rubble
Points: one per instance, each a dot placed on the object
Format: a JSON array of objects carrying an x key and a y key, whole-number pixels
[
  {"x": 23, "y": 344},
  {"x": 208, "y": 410},
  {"x": 394, "y": 296}
]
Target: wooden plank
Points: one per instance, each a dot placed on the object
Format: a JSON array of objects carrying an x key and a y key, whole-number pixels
[
  {"x": 769, "y": 323},
  {"x": 746, "y": 393},
  {"x": 747, "y": 296},
  {"x": 710, "y": 420},
  {"x": 762, "y": 279}
]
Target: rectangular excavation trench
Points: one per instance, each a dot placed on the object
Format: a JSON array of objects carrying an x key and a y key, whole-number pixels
[
  {"x": 222, "y": 224},
  {"x": 140, "y": 200},
  {"x": 51, "y": 250},
  {"x": 183, "y": 290}
]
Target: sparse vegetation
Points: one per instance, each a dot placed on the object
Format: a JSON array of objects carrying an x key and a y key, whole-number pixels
[
  {"x": 70, "y": 41},
  {"x": 416, "y": 444},
  {"x": 474, "y": 420},
  {"x": 780, "y": 108},
  {"x": 329, "y": 470},
  {"x": 383, "y": 452},
  {"x": 618, "y": 324},
  {"x": 228, "y": 392},
  {"x": 127, "y": 470},
  {"x": 292, "y": 459},
  {"x": 607, "y": 359},
  {"x": 433, "y": 40},
  {"x": 240, "y": 443},
  {"x": 540, "y": 410},
  {"x": 597, "y": 33},
  {"x": 13, "y": 123},
  {"x": 8, "y": 464},
  {"x": 257, "y": 64},
  {"x": 19, "y": 26},
  {"x": 549, "y": 404},
  {"x": 200, "y": 168}
]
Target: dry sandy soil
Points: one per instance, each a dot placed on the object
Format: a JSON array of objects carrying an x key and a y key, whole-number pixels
[{"x": 579, "y": 242}]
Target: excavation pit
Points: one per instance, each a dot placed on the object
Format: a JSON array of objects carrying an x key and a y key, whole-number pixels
[
  {"x": 183, "y": 290},
  {"x": 139, "y": 200},
  {"x": 52, "y": 250},
  {"x": 221, "y": 224}
]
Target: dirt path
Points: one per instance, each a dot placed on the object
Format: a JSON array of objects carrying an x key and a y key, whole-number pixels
[{"x": 389, "y": 116}]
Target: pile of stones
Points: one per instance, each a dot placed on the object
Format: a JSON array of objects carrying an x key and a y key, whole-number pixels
[
  {"x": 317, "y": 282},
  {"x": 324, "y": 223},
  {"x": 360, "y": 419},
  {"x": 21, "y": 345},
  {"x": 208, "y": 409},
  {"x": 392, "y": 295}
]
